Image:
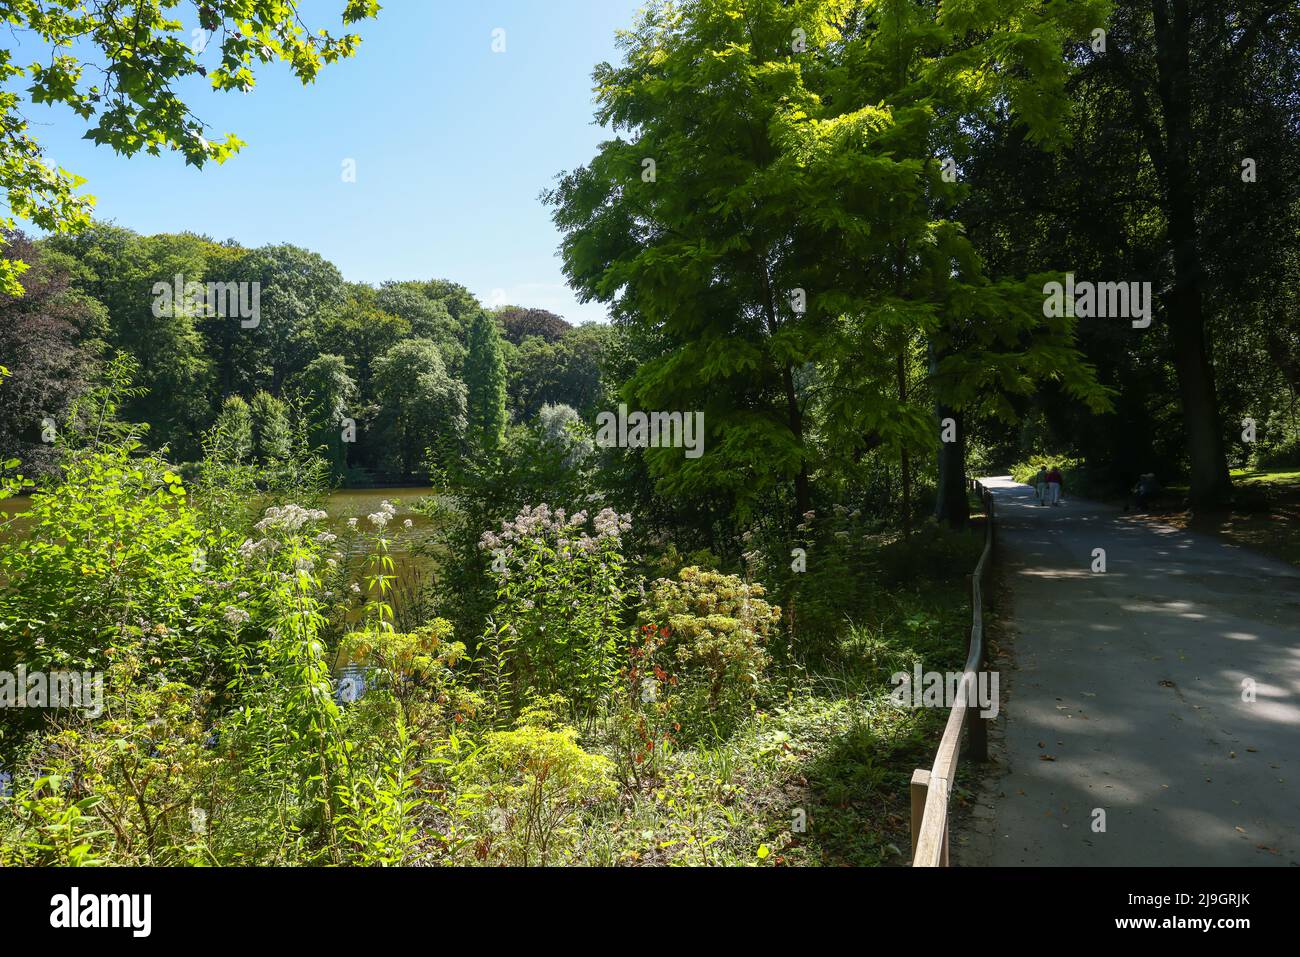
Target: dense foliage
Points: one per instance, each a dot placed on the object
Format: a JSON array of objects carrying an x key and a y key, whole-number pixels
[{"x": 825, "y": 227}]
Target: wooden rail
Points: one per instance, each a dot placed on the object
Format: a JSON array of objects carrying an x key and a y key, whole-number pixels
[{"x": 932, "y": 789}]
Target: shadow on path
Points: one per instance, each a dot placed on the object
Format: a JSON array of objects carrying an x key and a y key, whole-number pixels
[{"x": 1130, "y": 694}]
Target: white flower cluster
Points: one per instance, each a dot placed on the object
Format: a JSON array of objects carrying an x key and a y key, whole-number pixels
[
  {"x": 288, "y": 518},
  {"x": 543, "y": 522},
  {"x": 251, "y": 549},
  {"x": 381, "y": 518},
  {"x": 236, "y": 616}
]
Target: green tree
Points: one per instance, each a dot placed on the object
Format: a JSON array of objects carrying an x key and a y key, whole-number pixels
[
  {"x": 787, "y": 242},
  {"x": 235, "y": 425},
  {"x": 294, "y": 287},
  {"x": 485, "y": 379},
  {"x": 134, "y": 277},
  {"x": 116, "y": 66},
  {"x": 421, "y": 407},
  {"x": 272, "y": 432},
  {"x": 327, "y": 389},
  {"x": 566, "y": 371},
  {"x": 1231, "y": 77},
  {"x": 428, "y": 317}
]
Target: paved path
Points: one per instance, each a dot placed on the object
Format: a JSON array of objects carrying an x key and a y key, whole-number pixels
[{"x": 1132, "y": 681}]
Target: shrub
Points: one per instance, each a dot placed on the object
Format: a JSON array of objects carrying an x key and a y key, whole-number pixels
[
  {"x": 125, "y": 787},
  {"x": 525, "y": 787},
  {"x": 415, "y": 670},
  {"x": 561, "y": 593},
  {"x": 644, "y": 717},
  {"x": 715, "y": 626}
]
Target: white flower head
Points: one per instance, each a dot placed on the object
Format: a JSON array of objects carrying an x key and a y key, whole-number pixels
[{"x": 236, "y": 616}]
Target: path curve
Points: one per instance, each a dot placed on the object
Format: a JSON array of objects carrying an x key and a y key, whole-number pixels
[{"x": 1132, "y": 682}]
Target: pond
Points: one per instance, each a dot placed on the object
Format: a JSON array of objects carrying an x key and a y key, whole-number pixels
[
  {"x": 342, "y": 505},
  {"x": 411, "y": 570},
  {"x": 360, "y": 502}
]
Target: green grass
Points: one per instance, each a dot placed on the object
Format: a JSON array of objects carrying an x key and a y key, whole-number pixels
[
  {"x": 1271, "y": 479},
  {"x": 819, "y": 775},
  {"x": 1264, "y": 515}
]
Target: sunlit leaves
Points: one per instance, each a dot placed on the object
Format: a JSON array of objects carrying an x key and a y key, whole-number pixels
[{"x": 128, "y": 95}]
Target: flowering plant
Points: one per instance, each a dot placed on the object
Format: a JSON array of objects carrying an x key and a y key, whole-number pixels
[{"x": 561, "y": 590}]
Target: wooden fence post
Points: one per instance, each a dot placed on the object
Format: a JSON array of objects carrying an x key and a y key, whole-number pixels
[{"x": 920, "y": 787}]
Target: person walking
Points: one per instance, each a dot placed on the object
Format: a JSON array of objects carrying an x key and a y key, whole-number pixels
[
  {"x": 1055, "y": 484},
  {"x": 1146, "y": 487},
  {"x": 1040, "y": 485}
]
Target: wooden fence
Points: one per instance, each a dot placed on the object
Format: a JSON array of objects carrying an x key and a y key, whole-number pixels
[{"x": 932, "y": 789}]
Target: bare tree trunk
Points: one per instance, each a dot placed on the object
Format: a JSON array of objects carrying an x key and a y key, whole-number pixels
[
  {"x": 951, "y": 504},
  {"x": 1184, "y": 304},
  {"x": 904, "y": 462},
  {"x": 802, "y": 486}
]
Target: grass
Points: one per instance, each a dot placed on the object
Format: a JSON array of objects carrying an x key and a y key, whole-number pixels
[
  {"x": 1282, "y": 480},
  {"x": 819, "y": 774},
  {"x": 1265, "y": 514}
]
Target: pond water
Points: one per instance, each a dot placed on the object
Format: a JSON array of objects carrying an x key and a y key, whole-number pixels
[
  {"x": 360, "y": 502},
  {"x": 410, "y": 569},
  {"x": 342, "y": 505}
]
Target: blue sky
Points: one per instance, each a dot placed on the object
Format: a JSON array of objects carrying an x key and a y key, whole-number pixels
[{"x": 452, "y": 143}]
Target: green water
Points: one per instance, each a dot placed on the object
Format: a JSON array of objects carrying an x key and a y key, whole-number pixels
[
  {"x": 342, "y": 504},
  {"x": 360, "y": 502}
]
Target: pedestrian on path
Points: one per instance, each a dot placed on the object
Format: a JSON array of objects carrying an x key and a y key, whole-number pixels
[
  {"x": 1146, "y": 487},
  {"x": 1055, "y": 485},
  {"x": 1040, "y": 485}
]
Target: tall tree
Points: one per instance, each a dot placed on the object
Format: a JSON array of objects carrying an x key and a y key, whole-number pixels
[
  {"x": 485, "y": 380},
  {"x": 1190, "y": 74},
  {"x": 421, "y": 407},
  {"x": 518, "y": 324},
  {"x": 327, "y": 390},
  {"x": 124, "y": 271},
  {"x": 294, "y": 287},
  {"x": 272, "y": 431},
  {"x": 788, "y": 236},
  {"x": 50, "y": 339}
]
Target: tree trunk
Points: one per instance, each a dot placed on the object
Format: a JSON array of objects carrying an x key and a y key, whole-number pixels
[
  {"x": 1184, "y": 305},
  {"x": 802, "y": 486},
  {"x": 904, "y": 462},
  {"x": 951, "y": 504}
]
